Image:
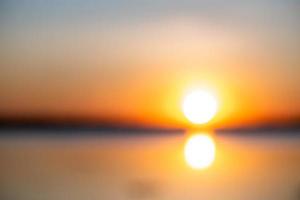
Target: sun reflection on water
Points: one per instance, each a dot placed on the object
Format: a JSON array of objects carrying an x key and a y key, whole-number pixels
[{"x": 200, "y": 150}]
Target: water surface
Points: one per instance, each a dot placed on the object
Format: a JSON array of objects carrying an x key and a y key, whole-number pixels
[{"x": 148, "y": 166}]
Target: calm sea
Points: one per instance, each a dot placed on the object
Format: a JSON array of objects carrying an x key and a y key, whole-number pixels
[{"x": 112, "y": 166}]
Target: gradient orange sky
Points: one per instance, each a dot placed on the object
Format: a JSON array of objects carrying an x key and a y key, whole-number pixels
[{"x": 137, "y": 60}]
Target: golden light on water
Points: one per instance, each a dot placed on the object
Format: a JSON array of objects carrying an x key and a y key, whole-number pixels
[
  {"x": 200, "y": 106},
  {"x": 199, "y": 151}
]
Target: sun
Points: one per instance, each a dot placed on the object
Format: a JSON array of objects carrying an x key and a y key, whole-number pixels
[
  {"x": 199, "y": 151},
  {"x": 199, "y": 106}
]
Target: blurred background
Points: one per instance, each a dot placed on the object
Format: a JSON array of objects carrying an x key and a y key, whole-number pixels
[
  {"x": 134, "y": 60},
  {"x": 92, "y": 92}
]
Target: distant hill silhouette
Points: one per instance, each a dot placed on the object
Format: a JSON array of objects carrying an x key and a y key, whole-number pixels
[
  {"x": 272, "y": 126},
  {"x": 77, "y": 125},
  {"x": 50, "y": 124}
]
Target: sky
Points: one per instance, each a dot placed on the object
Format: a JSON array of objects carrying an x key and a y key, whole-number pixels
[{"x": 136, "y": 60}]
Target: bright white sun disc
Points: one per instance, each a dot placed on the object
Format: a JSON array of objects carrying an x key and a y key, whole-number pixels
[{"x": 199, "y": 106}]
